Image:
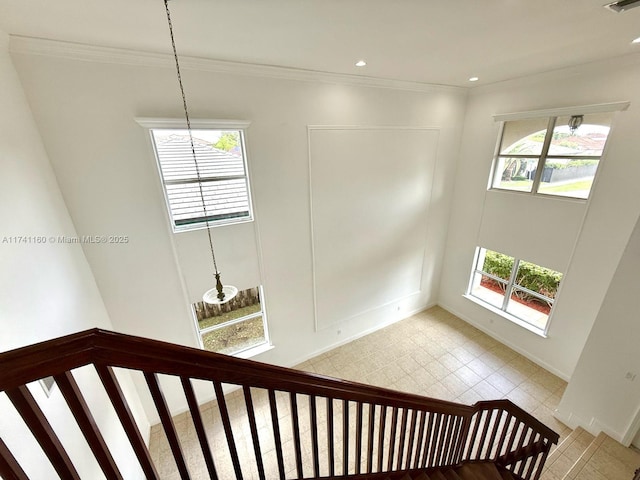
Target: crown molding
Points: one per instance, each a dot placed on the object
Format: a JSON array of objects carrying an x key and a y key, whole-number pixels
[
  {"x": 557, "y": 112},
  {"x": 21, "y": 45},
  {"x": 595, "y": 67}
]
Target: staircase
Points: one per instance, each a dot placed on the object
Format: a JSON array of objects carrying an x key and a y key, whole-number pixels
[
  {"x": 581, "y": 455},
  {"x": 297, "y": 425}
]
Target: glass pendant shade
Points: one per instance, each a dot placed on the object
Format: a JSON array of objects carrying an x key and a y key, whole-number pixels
[{"x": 221, "y": 294}]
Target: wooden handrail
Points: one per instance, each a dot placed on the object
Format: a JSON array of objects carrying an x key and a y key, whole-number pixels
[{"x": 392, "y": 431}]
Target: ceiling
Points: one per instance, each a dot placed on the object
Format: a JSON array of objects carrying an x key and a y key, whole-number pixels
[{"x": 430, "y": 41}]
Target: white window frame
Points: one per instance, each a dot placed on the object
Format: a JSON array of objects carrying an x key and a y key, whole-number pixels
[
  {"x": 245, "y": 352},
  {"x": 509, "y": 286},
  {"x": 552, "y": 115},
  {"x": 200, "y": 124}
]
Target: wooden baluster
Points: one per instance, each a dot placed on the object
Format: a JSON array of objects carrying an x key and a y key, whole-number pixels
[
  {"x": 442, "y": 447},
  {"x": 427, "y": 442},
  {"x": 120, "y": 405},
  {"x": 433, "y": 447},
  {"x": 503, "y": 435},
  {"x": 10, "y": 469},
  {"x": 228, "y": 431},
  {"x": 522, "y": 466},
  {"x": 167, "y": 423},
  {"x": 392, "y": 437},
  {"x": 345, "y": 437},
  {"x": 403, "y": 435},
  {"x": 39, "y": 426},
  {"x": 412, "y": 437},
  {"x": 420, "y": 439},
  {"x": 526, "y": 434},
  {"x": 483, "y": 435},
  {"x": 463, "y": 439},
  {"x": 514, "y": 434},
  {"x": 451, "y": 440},
  {"x": 254, "y": 430},
  {"x": 473, "y": 439},
  {"x": 535, "y": 437},
  {"x": 86, "y": 422},
  {"x": 382, "y": 428},
  {"x": 358, "y": 438},
  {"x": 455, "y": 448},
  {"x": 494, "y": 434},
  {"x": 330, "y": 439},
  {"x": 295, "y": 423},
  {"x": 540, "y": 466},
  {"x": 314, "y": 435},
  {"x": 532, "y": 465},
  {"x": 276, "y": 433},
  {"x": 199, "y": 426},
  {"x": 371, "y": 444}
]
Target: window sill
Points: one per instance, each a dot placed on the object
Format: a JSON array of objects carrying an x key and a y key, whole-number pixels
[
  {"x": 539, "y": 195},
  {"x": 218, "y": 223},
  {"x": 507, "y": 316},
  {"x": 252, "y": 352}
]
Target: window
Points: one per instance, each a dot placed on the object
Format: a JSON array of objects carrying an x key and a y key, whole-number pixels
[
  {"x": 522, "y": 290},
  {"x": 547, "y": 157},
  {"x": 233, "y": 327},
  {"x": 222, "y": 164}
]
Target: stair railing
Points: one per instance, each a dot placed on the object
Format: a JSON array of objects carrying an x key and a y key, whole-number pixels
[{"x": 277, "y": 423}]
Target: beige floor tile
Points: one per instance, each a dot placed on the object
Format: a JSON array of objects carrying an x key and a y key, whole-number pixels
[
  {"x": 487, "y": 391},
  {"x": 500, "y": 383},
  {"x": 468, "y": 376},
  {"x": 480, "y": 367}
]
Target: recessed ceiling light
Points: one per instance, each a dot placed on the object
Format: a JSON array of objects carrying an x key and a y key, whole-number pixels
[
  {"x": 360, "y": 63},
  {"x": 637, "y": 40},
  {"x": 473, "y": 79}
]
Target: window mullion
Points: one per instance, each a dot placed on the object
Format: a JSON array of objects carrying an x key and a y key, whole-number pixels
[
  {"x": 512, "y": 280},
  {"x": 231, "y": 322},
  {"x": 543, "y": 155},
  {"x": 496, "y": 155}
]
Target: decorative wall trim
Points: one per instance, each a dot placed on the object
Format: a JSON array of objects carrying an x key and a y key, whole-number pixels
[
  {"x": 314, "y": 261},
  {"x": 21, "y": 45}
]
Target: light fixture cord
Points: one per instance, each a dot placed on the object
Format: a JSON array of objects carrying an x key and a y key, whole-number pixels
[{"x": 193, "y": 149}]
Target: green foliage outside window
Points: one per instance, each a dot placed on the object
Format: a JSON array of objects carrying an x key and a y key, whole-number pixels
[
  {"x": 572, "y": 163},
  {"x": 530, "y": 276},
  {"x": 228, "y": 141},
  {"x": 498, "y": 264}
]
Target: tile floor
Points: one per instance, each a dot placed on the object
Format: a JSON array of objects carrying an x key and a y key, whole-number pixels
[
  {"x": 433, "y": 353},
  {"x": 585, "y": 457},
  {"x": 605, "y": 459}
]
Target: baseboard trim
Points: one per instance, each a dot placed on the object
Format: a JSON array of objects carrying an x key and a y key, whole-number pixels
[
  {"x": 361, "y": 334},
  {"x": 566, "y": 377}
]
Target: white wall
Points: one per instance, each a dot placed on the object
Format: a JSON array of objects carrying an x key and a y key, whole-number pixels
[
  {"x": 46, "y": 289},
  {"x": 600, "y": 395},
  {"x": 587, "y": 251},
  {"x": 105, "y": 166}
]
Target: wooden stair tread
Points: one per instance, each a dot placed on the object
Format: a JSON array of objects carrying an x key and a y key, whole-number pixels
[
  {"x": 469, "y": 471},
  {"x": 437, "y": 475}
]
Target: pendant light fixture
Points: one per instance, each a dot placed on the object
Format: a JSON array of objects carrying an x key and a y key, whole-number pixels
[
  {"x": 220, "y": 293},
  {"x": 574, "y": 123}
]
